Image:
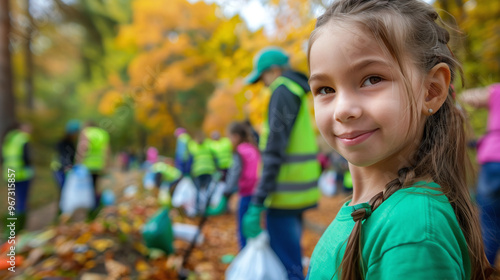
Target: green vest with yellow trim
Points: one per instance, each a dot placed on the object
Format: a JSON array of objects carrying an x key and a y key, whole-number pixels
[
  {"x": 203, "y": 162},
  {"x": 297, "y": 181},
  {"x": 12, "y": 151},
  {"x": 223, "y": 152},
  {"x": 98, "y": 140},
  {"x": 170, "y": 173}
]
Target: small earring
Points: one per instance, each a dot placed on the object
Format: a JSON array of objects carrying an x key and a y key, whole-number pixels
[{"x": 430, "y": 111}]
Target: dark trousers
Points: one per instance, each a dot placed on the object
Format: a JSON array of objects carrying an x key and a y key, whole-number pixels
[
  {"x": 285, "y": 232},
  {"x": 242, "y": 209},
  {"x": 95, "y": 177},
  {"x": 488, "y": 200},
  {"x": 22, "y": 194}
]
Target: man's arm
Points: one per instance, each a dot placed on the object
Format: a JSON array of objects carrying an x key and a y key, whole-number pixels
[
  {"x": 233, "y": 175},
  {"x": 283, "y": 110}
]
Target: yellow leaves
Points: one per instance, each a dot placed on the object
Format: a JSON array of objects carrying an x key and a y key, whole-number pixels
[
  {"x": 101, "y": 245},
  {"x": 124, "y": 227},
  {"x": 127, "y": 37},
  {"x": 259, "y": 100},
  {"x": 110, "y": 101},
  {"x": 223, "y": 109},
  {"x": 141, "y": 266},
  {"x": 84, "y": 238}
]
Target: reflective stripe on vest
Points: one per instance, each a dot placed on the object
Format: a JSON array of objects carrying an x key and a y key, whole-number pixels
[
  {"x": 97, "y": 140},
  {"x": 170, "y": 173},
  {"x": 296, "y": 186},
  {"x": 12, "y": 151},
  {"x": 203, "y": 162},
  {"x": 223, "y": 152}
]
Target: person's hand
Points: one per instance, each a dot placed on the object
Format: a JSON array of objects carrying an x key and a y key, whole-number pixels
[
  {"x": 220, "y": 209},
  {"x": 252, "y": 220}
]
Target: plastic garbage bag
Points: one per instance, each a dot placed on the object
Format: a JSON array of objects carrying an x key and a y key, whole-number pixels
[
  {"x": 148, "y": 181},
  {"x": 108, "y": 197},
  {"x": 327, "y": 183},
  {"x": 187, "y": 233},
  {"x": 217, "y": 190},
  {"x": 185, "y": 196},
  {"x": 78, "y": 191},
  {"x": 157, "y": 232},
  {"x": 257, "y": 261}
]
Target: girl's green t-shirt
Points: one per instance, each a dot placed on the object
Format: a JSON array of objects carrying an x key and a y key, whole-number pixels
[{"x": 414, "y": 234}]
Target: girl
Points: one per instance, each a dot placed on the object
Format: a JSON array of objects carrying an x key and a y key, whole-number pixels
[
  {"x": 380, "y": 74},
  {"x": 243, "y": 174}
]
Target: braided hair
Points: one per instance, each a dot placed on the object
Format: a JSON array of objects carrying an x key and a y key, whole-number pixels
[{"x": 410, "y": 29}]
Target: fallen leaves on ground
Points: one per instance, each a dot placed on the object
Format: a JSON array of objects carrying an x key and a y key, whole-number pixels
[{"x": 111, "y": 246}]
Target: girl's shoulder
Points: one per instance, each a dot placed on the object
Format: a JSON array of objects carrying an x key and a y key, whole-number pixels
[
  {"x": 420, "y": 213},
  {"x": 247, "y": 149}
]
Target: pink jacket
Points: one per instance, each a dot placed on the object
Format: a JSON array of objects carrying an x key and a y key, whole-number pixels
[{"x": 249, "y": 177}]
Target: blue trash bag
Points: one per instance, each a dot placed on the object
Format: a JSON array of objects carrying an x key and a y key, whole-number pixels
[
  {"x": 78, "y": 191},
  {"x": 107, "y": 197}
]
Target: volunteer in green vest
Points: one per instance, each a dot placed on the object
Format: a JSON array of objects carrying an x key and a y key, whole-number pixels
[
  {"x": 290, "y": 170},
  {"x": 222, "y": 150},
  {"x": 93, "y": 152},
  {"x": 165, "y": 173},
  {"x": 17, "y": 170},
  {"x": 203, "y": 166}
]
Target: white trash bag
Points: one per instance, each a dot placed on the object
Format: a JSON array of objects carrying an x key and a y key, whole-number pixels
[
  {"x": 217, "y": 190},
  {"x": 187, "y": 233},
  {"x": 78, "y": 191},
  {"x": 257, "y": 261},
  {"x": 327, "y": 183},
  {"x": 184, "y": 196},
  {"x": 148, "y": 181}
]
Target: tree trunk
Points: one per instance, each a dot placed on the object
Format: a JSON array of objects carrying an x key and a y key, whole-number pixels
[
  {"x": 29, "y": 59},
  {"x": 7, "y": 104}
]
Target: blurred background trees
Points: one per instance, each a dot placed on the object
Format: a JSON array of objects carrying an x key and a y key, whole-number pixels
[{"x": 141, "y": 68}]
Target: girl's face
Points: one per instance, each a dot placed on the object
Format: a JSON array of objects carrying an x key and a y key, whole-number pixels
[{"x": 360, "y": 100}]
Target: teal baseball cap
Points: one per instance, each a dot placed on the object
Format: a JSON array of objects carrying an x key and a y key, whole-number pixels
[{"x": 264, "y": 60}]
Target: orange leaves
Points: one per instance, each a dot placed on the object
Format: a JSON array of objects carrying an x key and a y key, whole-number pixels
[
  {"x": 184, "y": 48},
  {"x": 111, "y": 100},
  {"x": 222, "y": 109}
]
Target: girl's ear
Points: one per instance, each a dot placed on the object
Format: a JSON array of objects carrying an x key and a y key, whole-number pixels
[{"x": 437, "y": 84}]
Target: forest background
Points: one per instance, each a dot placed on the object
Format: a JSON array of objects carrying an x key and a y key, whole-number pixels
[{"x": 141, "y": 68}]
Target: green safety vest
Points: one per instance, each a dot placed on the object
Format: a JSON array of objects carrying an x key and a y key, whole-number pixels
[
  {"x": 348, "y": 180},
  {"x": 98, "y": 140},
  {"x": 170, "y": 173},
  {"x": 297, "y": 181},
  {"x": 223, "y": 152},
  {"x": 203, "y": 162},
  {"x": 12, "y": 151}
]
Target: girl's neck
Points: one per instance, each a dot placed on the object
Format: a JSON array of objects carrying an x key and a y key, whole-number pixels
[{"x": 367, "y": 182}]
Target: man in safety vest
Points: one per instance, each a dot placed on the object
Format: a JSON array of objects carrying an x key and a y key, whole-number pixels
[
  {"x": 203, "y": 166},
  {"x": 93, "y": 152},
  {"x": 222, "y": 150},
  {"x": 288, "y": 185},
  {"x": 17, "y": 171},
  {"x": 166, "y": 173}
]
